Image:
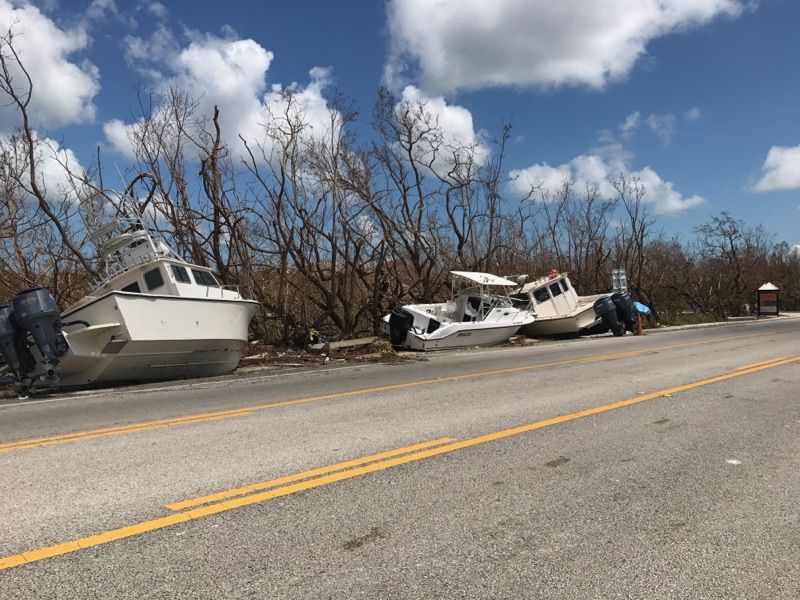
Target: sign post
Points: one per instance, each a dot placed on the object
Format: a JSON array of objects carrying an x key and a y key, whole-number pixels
[{"x": 619, "y": 280}]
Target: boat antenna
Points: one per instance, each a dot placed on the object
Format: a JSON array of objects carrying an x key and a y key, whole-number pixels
[
  {"x": 121, "y": 176},
  {"x": 99, "y": 167},
  {"x": 120, "y": 208}
]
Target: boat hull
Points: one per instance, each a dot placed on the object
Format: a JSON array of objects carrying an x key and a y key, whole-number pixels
[
  {"x": 455, "y": 337},
  {"x": 573, "y": 323},
  {"x": 122, "y": 337},
  {"x": 500, "y": 324}
]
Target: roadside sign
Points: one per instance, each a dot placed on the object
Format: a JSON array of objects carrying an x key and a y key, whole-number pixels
[
  {"x": 619, "y": 280},
  {"x": 768, "y": 299}
]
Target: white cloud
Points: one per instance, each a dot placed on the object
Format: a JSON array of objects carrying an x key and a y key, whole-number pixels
[
  {"x": 227, "y": 72},
  {"x": 63, "y": 90},
  {"x": 158, "y": 10},
  {"x": 630, "y": 124},
  {"x": 117, "y": 134},
  {"x": 160, "y": 45},
  {"x": 456, "y": 44},
  {"x": 596, "y": 169},
  {"x": 693, "y": 114},
  {"x": 53, "y": 164},
  {"x": 781, "y": 170},
  {"x": 99, "y": 9},
  {"x": 453, "y": 132},
  {"x": 662, "y": 126}
]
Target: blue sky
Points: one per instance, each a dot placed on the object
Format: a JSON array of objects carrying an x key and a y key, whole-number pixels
[{"x": 699, "y": 98}]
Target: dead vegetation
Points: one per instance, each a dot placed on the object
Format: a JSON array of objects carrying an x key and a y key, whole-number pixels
[{"x": 329, "y": 225}]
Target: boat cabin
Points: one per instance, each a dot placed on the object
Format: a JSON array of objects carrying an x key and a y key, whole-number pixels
[
  {"x": 140, "y": 262},
  {"x": 549, "y": 296},
  {"x": 168, "y": 277}
]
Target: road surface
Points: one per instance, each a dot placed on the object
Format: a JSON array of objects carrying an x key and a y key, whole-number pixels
[{"x": 662, "y": 466}]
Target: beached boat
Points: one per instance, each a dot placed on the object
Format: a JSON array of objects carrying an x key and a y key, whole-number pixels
[
  {"x": 558, "y": 307},
  {"x": 477, "y": 315},
  {"x": 151, "y": 316}
]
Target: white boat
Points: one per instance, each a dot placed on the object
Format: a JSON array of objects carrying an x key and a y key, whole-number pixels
[
  {"x": 558, "y": 307},
  {"x": 476, "y": 316},
  {"x": 151, "y": 316}
]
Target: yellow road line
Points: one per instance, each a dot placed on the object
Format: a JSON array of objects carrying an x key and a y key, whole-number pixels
[
  {"x": 263, "y": 485},
  {"x": 226, "y": 505},
  {"x": 243, "y": 411},
  {"x": 132, "y": 428},
  {"x": 758, "y": 364}
]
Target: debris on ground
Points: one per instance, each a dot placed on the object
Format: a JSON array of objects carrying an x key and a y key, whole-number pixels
[
  {"x": 521, "y": 340},
  {"x": 364, "y": 350}
]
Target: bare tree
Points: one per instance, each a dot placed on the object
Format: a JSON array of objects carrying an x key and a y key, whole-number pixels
[{"x": 24, "y": 146}]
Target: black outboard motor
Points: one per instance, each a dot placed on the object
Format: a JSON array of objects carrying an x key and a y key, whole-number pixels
[
  {"x": 13, "y": 344},
  {"x": 36, "y": 312},
  {"x": 606, "y": 309},
  {"x": 400, "y": 323},
  {"x": 625, "y": 313}
]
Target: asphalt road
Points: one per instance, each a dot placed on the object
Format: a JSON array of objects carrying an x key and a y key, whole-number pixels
[{"x": 663, "y": 466}]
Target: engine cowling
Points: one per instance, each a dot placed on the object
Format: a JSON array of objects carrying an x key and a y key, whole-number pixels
[
  {"x": 13, "y": 344},
  {"x": 36, "y": 312}
]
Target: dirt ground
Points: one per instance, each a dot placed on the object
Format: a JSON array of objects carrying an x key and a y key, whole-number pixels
[{"x": 257, "y": 354}]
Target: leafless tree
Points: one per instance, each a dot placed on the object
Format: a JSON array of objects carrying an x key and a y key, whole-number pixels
[{"x": 21, "y": 151}]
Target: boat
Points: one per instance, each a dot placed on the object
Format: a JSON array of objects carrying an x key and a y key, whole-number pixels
[
  {"x": 558, "y": 308},
  {"x": 151, "y": 315},
  {"x": 477, "y": 315}
]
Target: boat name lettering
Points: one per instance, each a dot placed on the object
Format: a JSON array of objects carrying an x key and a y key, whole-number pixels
[{"x": 464, "y": 333}]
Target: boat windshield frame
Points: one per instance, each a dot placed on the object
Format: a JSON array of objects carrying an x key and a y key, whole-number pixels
[{"x": 489, "y": 300}]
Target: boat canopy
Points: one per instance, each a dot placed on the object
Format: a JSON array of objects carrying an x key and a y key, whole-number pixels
[{"x": 484, "y": 278}]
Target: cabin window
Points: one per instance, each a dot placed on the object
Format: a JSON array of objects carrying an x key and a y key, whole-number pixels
[
  {"x": 153, "y": 279},
  {"x": 555, "y": 289},
  {"x": 564, "y": 285},
  {"x": 204, "y": 278},
  {"x": 180, "y": 274},
  {"x": 132, "y": 287},
  {"x": 541, "y": 295}
]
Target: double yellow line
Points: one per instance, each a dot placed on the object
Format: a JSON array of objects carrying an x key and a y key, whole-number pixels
[
  {"x": 81, "y": 436},
  {"x": 211, "y": 504}
]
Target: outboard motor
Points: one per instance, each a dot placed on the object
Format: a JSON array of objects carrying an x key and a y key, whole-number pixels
[
  {"x": 36, "y": 312},
  {"x": 13, "y": 344},
  {"x": 622, "y": 300},
  {"x": 400, "y": 323},
  {"x": 606, "y": 309}
]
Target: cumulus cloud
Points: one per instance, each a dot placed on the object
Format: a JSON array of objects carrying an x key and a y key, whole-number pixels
[
  {"x": 781, "y": 170},
  {"x": 453, "y": 138},
  {"x": 595, "y": 170},
  {"x": 63, "y": 90},
  {"x": 227, "y": 72},
  {"x": 453, "y": 44},
  {"x": 53, "y": 164}
]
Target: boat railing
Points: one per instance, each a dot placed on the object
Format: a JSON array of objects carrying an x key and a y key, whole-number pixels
[
  {"x": 116, "y": 267},
  {"x": 219, "y": 291}
]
